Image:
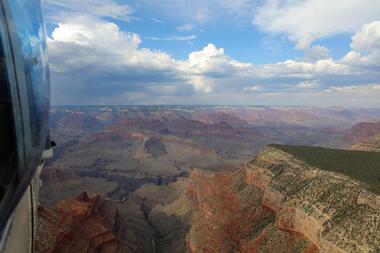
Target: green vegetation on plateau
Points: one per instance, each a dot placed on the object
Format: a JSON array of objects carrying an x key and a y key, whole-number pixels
[{"x": 361, "y": 165}]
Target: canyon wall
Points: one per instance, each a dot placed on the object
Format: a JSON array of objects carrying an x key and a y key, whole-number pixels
[
  {"x": 275, "y": 203},
  {"x": 365, "y": 137}
]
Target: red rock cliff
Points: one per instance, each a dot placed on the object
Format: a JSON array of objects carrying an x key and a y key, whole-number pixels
[
  {"x": 274, "y": 204},
  {"x": 83, "y": 224}
]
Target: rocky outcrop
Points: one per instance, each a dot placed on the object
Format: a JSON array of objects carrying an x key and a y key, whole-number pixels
[
  {"x": 83, "y": 224},
  {"x": 372, "y": 144},
  {"x": 365, "y": 137},
  {"x": 151, "y": 147},
  {"x": 276, "y": 203},
  {"x": 233, "y": 214}
]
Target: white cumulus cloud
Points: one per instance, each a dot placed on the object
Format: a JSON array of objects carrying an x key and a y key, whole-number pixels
[
  {"x": 365, "y": 46},
  {"x": 94, "y": 61},
  {"x": 367, "y": 39},
  {"x": 306, "y": 21}
]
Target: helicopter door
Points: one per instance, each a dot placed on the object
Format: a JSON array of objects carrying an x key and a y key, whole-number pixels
[{"x": 24, "y": 101}]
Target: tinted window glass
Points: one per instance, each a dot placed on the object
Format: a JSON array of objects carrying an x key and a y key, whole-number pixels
[
  {"x": 7, "y": 142},
  {"x": 31, "y": 33}
]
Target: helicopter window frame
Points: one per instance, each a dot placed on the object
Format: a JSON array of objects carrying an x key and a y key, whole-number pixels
[
  {"x": 30, "y": 31},
  {"x": 22, "y": 82}
]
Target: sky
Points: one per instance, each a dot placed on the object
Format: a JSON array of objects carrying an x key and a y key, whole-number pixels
[{"x": 214, "y": 52}]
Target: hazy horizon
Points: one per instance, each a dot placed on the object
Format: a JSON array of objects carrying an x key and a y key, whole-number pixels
[{"x": 220, "y": 105}]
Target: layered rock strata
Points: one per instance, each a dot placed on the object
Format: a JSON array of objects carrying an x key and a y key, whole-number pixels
[
  {"x": 276, "y": 203},
  {"x": 83, "y": 224}
]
